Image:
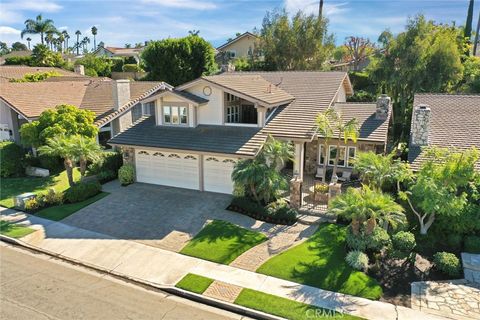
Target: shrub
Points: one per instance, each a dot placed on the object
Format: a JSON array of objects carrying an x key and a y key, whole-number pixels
[
  {"x": 404, "y": 241},
  {"x": 357, "y": 260},
  {"x": 472, "y": 244},
  {"x": 107, "y": 161},
  {"x": 321, "y": 188},
  {"x": 82, "y": 191},
  {"x": 11, "y": 156},
  {"x": 454, "y": 241},
  {"x": 126, "y": 174},
  {"x": 131, "y": 68},
  {"x": 32, "y": 204},
  {"x": 106, "y": 176},
  {"x": 53, "y": 164},
  {"x": 447, "y": 263},
  {"x": 26, "y": 61},
  {"x": 376, "y": 241},
  {"x": 279, "y": 210},
  {"x": 52, "y": 197},
  {"x": 249, "y": 206}
]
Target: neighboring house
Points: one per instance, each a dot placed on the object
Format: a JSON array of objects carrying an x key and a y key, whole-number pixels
[
  {"x": 240, "y": 47},
  {"x": 202, "y": 128},
  {"x": 21, "y": 53},
  {"x": 115, "y": 103},
  {"x": 443, "y": 120},
  {"x": 113, "y": 52},
  {"x": 8, "y": 73}
]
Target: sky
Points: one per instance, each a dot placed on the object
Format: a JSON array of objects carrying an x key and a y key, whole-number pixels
[{"x": 131, "y": 21}]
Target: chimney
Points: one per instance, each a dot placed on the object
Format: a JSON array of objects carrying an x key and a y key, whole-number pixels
[
  {"x": 80, "y": 69},
  {"x": 383, "y": 106},
  {"x": 121, "y": 93},
  {"x": 420, "y": 125}
]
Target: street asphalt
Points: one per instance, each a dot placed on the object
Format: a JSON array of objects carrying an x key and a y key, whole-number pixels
[{"x": 35, "y": 286}]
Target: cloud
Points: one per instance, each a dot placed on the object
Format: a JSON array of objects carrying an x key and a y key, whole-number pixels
[
  {"x": 186, "y": 4},
  {"x": 5, "y": 30},
  {"x": 12, "y": 11}
]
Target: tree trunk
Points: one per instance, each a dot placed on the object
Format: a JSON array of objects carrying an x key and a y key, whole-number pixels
[
  {"x": 337, "y": 156},
  {"x": 475, "y": 45},
  {"x": 355, "y": 226},
  {"x": 83, "y": 166},
  {"x": 69, "y": 168},
  {"x": 371, "y": 224},
  {"x": 324, "y": 174},
  {"x": 41, "y": 36}
]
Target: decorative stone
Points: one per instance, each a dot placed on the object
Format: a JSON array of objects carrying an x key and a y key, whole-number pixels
[
  {"x": 37, "y": 172},
  {"x": 311, "y": 155},
  {"x": 128, "y": 155},
  {"x": 296, "y": 192},
  {"x": 383, "y": 106},
  {"x": 420, "y": 125},
  {"x": 19, "y": 201}
]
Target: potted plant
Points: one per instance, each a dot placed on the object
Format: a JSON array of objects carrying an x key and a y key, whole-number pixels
[{"x": 321, "y": 193}]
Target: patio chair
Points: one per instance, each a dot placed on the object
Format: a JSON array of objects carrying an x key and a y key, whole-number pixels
[{"x": 345, "y": 176}]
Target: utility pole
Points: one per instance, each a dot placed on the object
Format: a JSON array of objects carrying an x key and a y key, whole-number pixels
[
  {"x": 320, "y": 9},
  {"x": 475, "y": 44}
]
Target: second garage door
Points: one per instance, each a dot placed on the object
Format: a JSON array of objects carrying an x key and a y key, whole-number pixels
[
  {"x": 170, "y": 169},
  {"x": 217, "y": 174}
]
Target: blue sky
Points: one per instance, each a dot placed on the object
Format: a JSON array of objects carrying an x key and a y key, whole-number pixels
[{"x": 131, "y": 21}]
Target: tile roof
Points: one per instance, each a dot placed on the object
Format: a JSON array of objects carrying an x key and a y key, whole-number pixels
[
  {"x": 454, "y": 122},
  {"x": 253, "y": 86},
  {"x": 245, "y": 34},
  {"x": 18, "y": 72},
  {"x": 182, "y": 94},
  {"x": 241, "y": 141}
]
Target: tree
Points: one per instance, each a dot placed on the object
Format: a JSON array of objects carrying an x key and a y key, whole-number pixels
[
  {"x": 128, "y": 45},
  {"x": 49, "y": 39},
  {"x": 38, "y": 26},
  {"x": 18, "y": 46},
  {"x": 94, "y": 33},
  {"x": 358, "y": 49},
  {"x": 96, "y": 66},
  {"x": 468, "y": 26},
  {"x": 424, "y": 58},
  {"x": 63, "y": 120},
  {"x": 63, "y": 147},
  {"x": 77, "y": 44},
  {"x": 28, "y": 40},
  {"x": 299, "y": 43},
  {"x": 179, "y": 60},
  {"x": 320, "y": 9},
  {"x": 3, "y": 48},
  {"x": 66, "y": 36},
  {"x": 325, "y": 127},
  {"x": 85, "y": 42},
  {"x": 277, "y": 152},
  {"x": 439, "y": 186},
  {"x": 475, "y": 44},
  {"x": 44, "y": 57},
  {"x": 87, "y": 149}
]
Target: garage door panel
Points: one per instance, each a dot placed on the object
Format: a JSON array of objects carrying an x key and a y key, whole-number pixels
[{"x": 217, "y": 176}]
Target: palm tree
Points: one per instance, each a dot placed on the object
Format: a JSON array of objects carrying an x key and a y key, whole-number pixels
[
  {"x": 94, "y": 33},
  {"x": 66, "y": 36},
  {"x": 277, "y": 152},
  {"x": 85, "y": 41},
  {"x": 87, "y": 149},
  {"x": 38, "y": 26},
  {"x": 49, "y": 39},
  {"x": 325, "y": 129},
  {"x": 28, "y": 40},
  {"x": 250, "y": 173},
  {"x": 475, "y": 45},
  {"x": 64, "y": 148},
  {"x": 61, "y": 42},
  {"x": 77, "y": 45}
]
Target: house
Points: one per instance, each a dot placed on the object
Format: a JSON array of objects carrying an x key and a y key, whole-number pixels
[
  {"x": 113, "y": 52},
  {"x": 446, "y": 121},
  {"x": 240, "y": 47},
  {"x": 12, "y": 54},
  {"x": 202, "y": 128},
  {"x": 10, "y": 73},
  {"x": 115, "y": 103}
]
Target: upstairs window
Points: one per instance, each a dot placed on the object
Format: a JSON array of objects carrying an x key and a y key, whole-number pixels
[
  {"x": 149, "y": 109},
  {"x": 175, "y": 115}
]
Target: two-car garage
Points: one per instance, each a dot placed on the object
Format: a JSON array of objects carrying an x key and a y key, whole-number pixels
[{"x": 185, "y": 170}]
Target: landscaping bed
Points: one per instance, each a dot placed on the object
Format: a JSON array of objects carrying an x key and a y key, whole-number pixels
[
  {"x": 279, "y": 214},
  {"x": 222, "y": 242}
]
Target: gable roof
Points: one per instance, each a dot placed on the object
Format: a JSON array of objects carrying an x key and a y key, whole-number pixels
[
  {"x": 183, "y": 95},
  {"x": 245, "y": 34},
  {"x": 18, "y": 72},
  {"x": 454, "y": 122},
  {"x": 121, "y": 51}
]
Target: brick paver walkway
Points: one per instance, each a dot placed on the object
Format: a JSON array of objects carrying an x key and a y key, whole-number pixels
[
  {"x": 456, "y": 299},
  {"x": 223, "y": 291}
]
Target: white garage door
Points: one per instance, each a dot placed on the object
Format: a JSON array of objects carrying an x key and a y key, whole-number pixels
[
  {"x": 217, "y": 174},
  {"x": 167, "y": 168}
]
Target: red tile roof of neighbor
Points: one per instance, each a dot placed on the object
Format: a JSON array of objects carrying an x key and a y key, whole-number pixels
[
  {"x": 18, "y": 72},
  {"x": 454, "y": 122}
]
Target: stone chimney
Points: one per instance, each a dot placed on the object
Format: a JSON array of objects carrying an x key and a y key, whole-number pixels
[
  {"x": 229, "y": 67},
  {"x": 383, "y": 106},
  {"x": 80, "y": 69},
  {"x": 420, "y": 125},
  {"x": 121, "y": 93}
]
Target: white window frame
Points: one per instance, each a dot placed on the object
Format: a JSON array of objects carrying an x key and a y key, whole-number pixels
[
  {"x": 331, "y": 162},
  {"x": 177, "y": 109},
  {"x": 348, "y": 156},
  {"x": 146, "y": 108},
  {"x": 320, "y": 151},
  {"x": 233, "y": 114}
]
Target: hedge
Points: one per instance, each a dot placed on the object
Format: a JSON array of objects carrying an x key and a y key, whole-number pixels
[
  {"x": 281, "y": 214},
  {"x": 11, "y": 158}
]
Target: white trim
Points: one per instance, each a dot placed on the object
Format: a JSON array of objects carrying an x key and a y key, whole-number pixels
[
  {"x": 252, "y": 125},
  {"x": 348, "y": 155},
  {"x": 339, "y": 159}
]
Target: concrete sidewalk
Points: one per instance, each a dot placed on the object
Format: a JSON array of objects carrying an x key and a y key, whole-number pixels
[{"x": 138, "y": 261}]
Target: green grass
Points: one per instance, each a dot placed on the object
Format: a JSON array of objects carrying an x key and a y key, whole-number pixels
[
  {"x": 320, "y": 262},
  {"x": 222, "y": 242},
  {"x": 11, "y": 187},
  {"x": 194, "y": 283},
  {"x": 285, "y": 308},
  {"x": 14, "y": 231},
  {"x": 60, "y": 212}
]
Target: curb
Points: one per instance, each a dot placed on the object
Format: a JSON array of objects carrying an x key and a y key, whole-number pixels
[{"x": 243, "y": 311}]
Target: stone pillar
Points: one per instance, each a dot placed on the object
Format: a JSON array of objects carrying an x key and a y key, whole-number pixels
[
  {"x": 128, "y": 155},
  {"x": 296, "y": 192},
  {"x": 420, "y": 125},
  {"x": 311, "y": 157},
  {"x": 298, "y": 161},
  {"x": 383, "y": 107},
  {"x": 334, "y": 189},
  {"x": 261, "y": 113}
]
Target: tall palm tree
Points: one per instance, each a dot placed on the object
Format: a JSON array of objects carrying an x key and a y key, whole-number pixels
[
  {"x": 277, "y": 152},
  {"x": 61, "y": 41},
  {"x": 64, "y": 148},
  {"x": 349, "y": 131},
  {"x": 28, "y": 40},
  {"x": 475, "y": 45},
  {"x": 38, "y": 26},
  {"x": 87, "y": 149},
  {"x": 66, "y": 36},
  {"x": 66, "y": 41},
  {"x": 49, "y": 39},
  {"x": 94, "y": 33},
  {"x": 77, "y": 45},
  {"x": 324, "y": 127},
  {"x": 85, "y": 42},
  {"x": 250, "y": 173}
]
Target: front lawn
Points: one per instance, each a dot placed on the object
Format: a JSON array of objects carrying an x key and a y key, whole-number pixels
[
  {"x": 13, "y": 230},
  {"x": 222, "y": 242},
  {"x": 10, "y": 187},
  {"x": 286, "y": 308},
  {"x": 194, "y": 283},
  {"x": 320, "y": 262},
  {"x": 60, "y": 212}
]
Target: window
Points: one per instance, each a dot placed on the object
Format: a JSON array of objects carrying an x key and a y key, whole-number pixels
[
  {"x": 175, "y": 115},
  {"x": 136, "y": 112},
  {"x": 232, "y": 53},
  {"x": 351, "y": 156},
  {"x": 149, "y": 108},
  {"x": 332, "y": 155},
  {"x": 105, "y": 134},
  {"x": 230, "y": 97},
  {"x": 233, "y": 114}
]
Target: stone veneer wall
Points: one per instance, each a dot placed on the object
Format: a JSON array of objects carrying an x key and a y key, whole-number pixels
[
  {"x": 311, "y": 155},
  {"x": 128, "y": 155},
  {"x": 420, "y": 125}
]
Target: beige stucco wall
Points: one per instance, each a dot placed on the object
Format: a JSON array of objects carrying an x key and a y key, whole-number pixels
[
  {"x": 241, "y": 46},
  {"x": 212, "y": 112},
  {"x": 341, "y": 95}
]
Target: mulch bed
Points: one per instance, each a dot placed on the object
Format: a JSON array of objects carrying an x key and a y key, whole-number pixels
[{"x": 260, "y": 217}]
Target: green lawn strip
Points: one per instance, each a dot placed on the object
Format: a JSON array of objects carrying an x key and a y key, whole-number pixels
[
  {"x": 194, "y": 283},
  {"x": 222, "y": 242},
  {"x": 285, "y": 308},
  {"x": 60, "y": 212},
  {"x": 320, "y": 262},
  {"x": 11, "y": 187},
  {"x": 13, "y": 230}
]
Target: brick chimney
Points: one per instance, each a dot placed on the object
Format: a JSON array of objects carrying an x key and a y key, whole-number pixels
[
  {"x": 80, "y": 69},
  {"x": 121, "y": 93},
  {"x": 420, "y": 125},
  {"x": 383, "y": 106}
]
